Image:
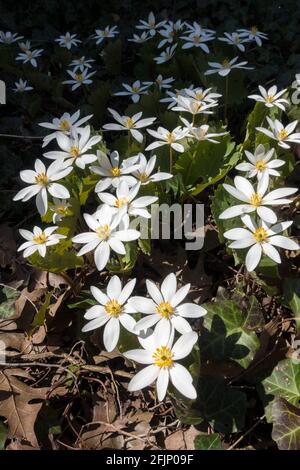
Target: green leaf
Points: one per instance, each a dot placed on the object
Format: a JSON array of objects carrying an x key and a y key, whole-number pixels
[
  {"x": 209, "y": 442},
  {"x": 227, "y": 335},
  {"x": 7, "y": 307},
  {"x": 286, "y": 425},
  {"x": 55, "y": 262},
  {"x": 284, "y": 381},
  {"x": 85, "y": 301},
  {"x": 145, "y": 245},
  {"x": 3, "y": 435},
  {"x": 41, "y": 314},
  {"x": 291, "y": 293}
]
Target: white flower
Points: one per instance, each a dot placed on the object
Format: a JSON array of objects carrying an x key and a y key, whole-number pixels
[
  {"x": 125, "y": 201},
  {"x": 253, "y": 34},
  {"x": 166, "y": 55},
  {"x": 234, "y": 39},
  {"x": 225, "y": 67},
  {"x": 166, "y": 137},
  {"x": 66, "y": 123},
  {"x": 79, "y": 79},
  {"x": 162, "y": 356},
  {"x": 140, "y": 39},
  {"x": 59, "y": 209},
  {"x": 41, "y": 182},
  {"x": 145, "y": 168},
  {"x": 107, "y": 32},
  {"x": 270, "y": 97},
  {"x": 260, "y": 163},
  {"x": 25, "y": 46},
  {"x": 129, "y": 124},
  {"x": 135, "y": 91},
  {"x": 81, "y": 64},
  {"x": 166, "y": 305},
  {"x": 281, "y": 133},
  {"x": 104, "y": 236},
  {"x": 201, "y": 95},
  {"x": 150, "y": 25},
  {"x": 168, "y": 33},
  {"x": 201, "y": 133},
  {"x": 8, "y": 37},
  {"x": 262, "y": 240},
  {"x": 162, "y": 83},
  {"x": 68, "y": 40},
  {"x": 38, "y": 240},
  {"x": 30, "y": 56},
  {"x": 75, "y": 147},
  {"x": 196, "y": 28},
  {"x": 197, "y": 40},
  {"x": 22, "y": 86},
  {"x": 256, "y": 200},
  {"x": 112, "y": 310},
  {"x": 112, "y": 172},
  {"x": 171, "y": 97},
  {"x": 189, "y": 105}
]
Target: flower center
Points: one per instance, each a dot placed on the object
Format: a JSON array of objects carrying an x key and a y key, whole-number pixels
[
  {"x": 163, "y": 357},
  {"x": 64, "y": 125},
  {"x": 254, "y": 29},
  {"x": 113, "y": 308},
  {"x": 129, "y": 122},
  {"x": 103, "y": 231},
  {"x": 115, "y": 171},
  {"x": 135, "y": 89},
  {"x": 78, "y": 77},
  {"x": 283, "y": 134},
  {"x": 225, "y": 63},
  {"x": 199, "y": 96},
  {"x": 42, "y": 179},
  {"x": 260, "y": 234},
  {"x": 165, "y": 309},
  {"x": 255, "y": 199},
  {"x": 74, "y": 151},
  {"x": 260, "y": 165},
  {"x": 170, "y": 138},
  {"x": 61, "y": 210},
  {"x": 105, "y": 34},
  {"x": 29, "y": 54},
  {"x": 121, "y": 201},
  {"x": 40, "y": 239},
  {"x": 143, "y": 176},
  {"x": 270, "y": 98}
]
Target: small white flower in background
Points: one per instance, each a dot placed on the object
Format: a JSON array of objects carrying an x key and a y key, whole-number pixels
[
  {"x": 262, "y": 238},
  {"x": 165, "y": 306},
  {"x": 75, "y": 147},
  {"x": 189, "y": 105},
  {"x": 166, "y": 55},
  {"x": 162, "y": 83},
  {"x": 197, "y": 40},
  {"x": 260, "y": 163},
  {"x": 270, "y": 97},
  {"x": 140, "y": 39},
  {"x": 107, "y": 32},
  {"x": 166, "y": 137},
  {"x": 104, "y": 236},
  {"x": 253, "y": 35},
  {"x": 68, "y": 40},
  {"x": 162, "y": 356},
  {"x": 150, "y": 25},
  {"x": 65, "y": 124},
  {"x": 225, "y": 67},
  {"x": 43, "y": 181},
  {"x": 38, "y": 240},
  {"x": 112, "y": 310},
  {"x": 234, "y": 39},
  {"x": 202, "y": 95},
  {"x": 59, "y": 209},
  {"x": 25, "y": 46},
  {"x": 134, "y": 91},
  {"x": 196, "y": 28},
  {"x": 129, "y": 124},
  {"x": 283, "y": 134},
  {"x": 30, "y": 56},
  {"x": 256, "y": 199},
  {"x": 171, "y": 97},
  {"x": 8, "y": 37},
  {"x": 168, "y": 33},
  {"x": 145, "y": 168},
  {"x": 21, "y": 86},
  {"x": 201, "y": 133},
  {"x": 125, "y": 201},
  {"x": 112, "y": 172},
  {"x": 79, "y": 79},
  {"x": 81, "y": 64}
]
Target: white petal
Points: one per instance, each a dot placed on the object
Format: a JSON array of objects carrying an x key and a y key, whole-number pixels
[
  {"x": 127, "y": 321},
  {"x": 142, "y": 305},
  {"x": 101, "y": 255},
  {"x": 184, "y": 345},
  {"x": 111, "y": 334},
  {"x": 271, "y": 252},
  {"x": 190, "y": 310},
  {"x": 126, "y": 291},
  {"x": 162, "y": 383},
  {"x": 180, "y": 295},
  {"x": 154, "y": 292},
  {"x": 143, "y": 378},
  {"x": 146, "y": 322},
  {"x": 181, "y": 324},
  {"x": 139, "y": 355},
  {"x": 99, "y": 295},
  {"x": 253, "y": 257},
  {"x": 284, "y": 242},
  {"x": 114, "y": 288},
  {"x": 168, "y": 287},
  {"x": 182, "y": 380}
]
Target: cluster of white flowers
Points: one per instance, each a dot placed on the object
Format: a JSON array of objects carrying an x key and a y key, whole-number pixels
[{"x": 260, "y": 234}]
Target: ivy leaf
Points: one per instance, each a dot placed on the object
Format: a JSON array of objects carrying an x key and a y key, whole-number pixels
[
  {"x": 209, "y": 442},
  {"x": 7, "y": 308},
  {"x": 226, "y": 334},
  {"x": 284, "y": 381},
  {"x": 286, "y": 425}
]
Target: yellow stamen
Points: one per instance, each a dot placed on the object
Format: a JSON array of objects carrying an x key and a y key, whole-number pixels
[
  {"x": 129, "y": 123},
  {"x": 143, "y": 176},
  {"x": 78, "y": 77},
  {"x": 64, "y": 125},
  {"x": 113, "y": 308},
  {"x": 163, "y": 357},
  {"x": 270, "y": 98},
  {"x": 260, "y": 234},
  {"x": 165, "y": 309},
  {"x": 122, "y": 201},
  {"x": 135, "y": 89},
  {"x": 260, "y": 165},
  {"x": 42, "y": 179},
  {"x": 40, "y": 239},
  {"x": 283, "y": 134},
  {"x": 225, "y": 63},
  {"x": 170, "y": 137},
  {"x": 255, "y": 199},
  {"x": 254, "y": 29},
  {"x": 61, "y": 210},
  {"x": 199, "y": 96},
  {"x": 115, "y": 171},
  {"x": 103, "y": 231},
  {"x": 74, "y": 151}
]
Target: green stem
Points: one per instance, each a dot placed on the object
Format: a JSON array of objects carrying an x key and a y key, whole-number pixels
[
  {"x": 226, "y": 97},
  {"x": 170, "y": 159},
  {"x": 129, "y": 142}
]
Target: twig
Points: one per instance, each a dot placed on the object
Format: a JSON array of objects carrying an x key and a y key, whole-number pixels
[
  {"x": 246, "y": 433},
  {"x": 14, "y": 136}
]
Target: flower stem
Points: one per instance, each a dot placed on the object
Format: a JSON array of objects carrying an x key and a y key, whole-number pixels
[
  {"x": 226, "y": 97},
  {"x": 170, "y": 159}
]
